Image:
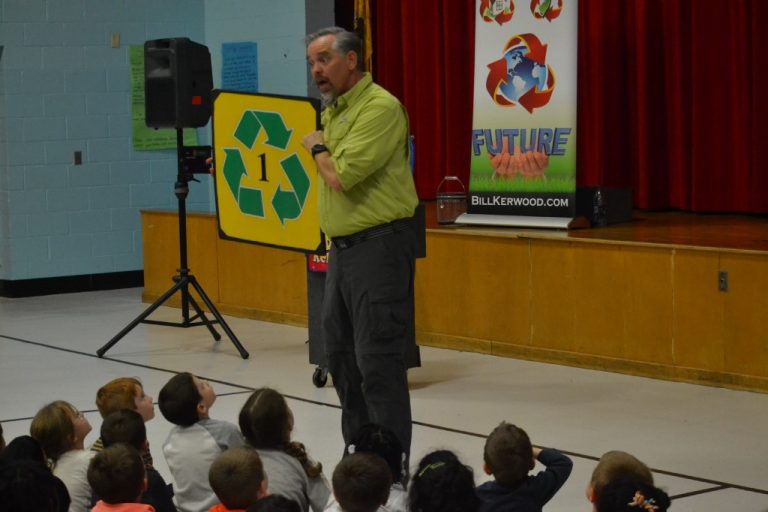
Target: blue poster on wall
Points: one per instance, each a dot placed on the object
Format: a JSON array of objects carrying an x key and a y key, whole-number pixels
[{"x": 240, "y": 70}]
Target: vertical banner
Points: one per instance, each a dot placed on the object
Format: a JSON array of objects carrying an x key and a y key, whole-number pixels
[{"x": 523, "y": 165}]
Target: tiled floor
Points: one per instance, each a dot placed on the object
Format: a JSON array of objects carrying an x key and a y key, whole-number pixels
[{"x": 706, "y": 445}]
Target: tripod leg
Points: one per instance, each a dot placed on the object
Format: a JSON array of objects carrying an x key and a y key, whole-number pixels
[
  {"x": 201, "y": 314},
  {"x": 136, "y": 321},
  {"x": 215, "y": 312}
]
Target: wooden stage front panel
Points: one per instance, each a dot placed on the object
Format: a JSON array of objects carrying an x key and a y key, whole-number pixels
[{"x": 639, "y": 298}]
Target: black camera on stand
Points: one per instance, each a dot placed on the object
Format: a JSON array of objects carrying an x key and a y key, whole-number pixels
[{"x": 194, "y": 159}]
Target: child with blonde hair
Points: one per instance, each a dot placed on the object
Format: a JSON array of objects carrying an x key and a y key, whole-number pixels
[{"x": 61, "y": 430}]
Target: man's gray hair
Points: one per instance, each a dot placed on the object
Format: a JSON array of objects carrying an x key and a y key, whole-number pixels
[{"x": 346, "y": 42}]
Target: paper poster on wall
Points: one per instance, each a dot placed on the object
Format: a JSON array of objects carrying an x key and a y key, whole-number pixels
[
  {"x": 523, "y": 142},
  {"x": 240, "y": 69},
  {"x": 143, "y": 137}
]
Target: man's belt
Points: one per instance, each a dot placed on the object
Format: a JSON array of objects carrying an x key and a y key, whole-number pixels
[{"x": 345, "y": 242}]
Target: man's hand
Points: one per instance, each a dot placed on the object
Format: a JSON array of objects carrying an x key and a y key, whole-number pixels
[
  {"x": 529, "y": 165},
  {"x": 311, "y": 139},
  {"x": 325, "y": 166}
]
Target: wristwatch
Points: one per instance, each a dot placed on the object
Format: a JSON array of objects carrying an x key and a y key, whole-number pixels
[{"x": 318, "y": 148}]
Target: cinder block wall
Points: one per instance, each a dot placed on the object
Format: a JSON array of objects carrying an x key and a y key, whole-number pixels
[{"x": 64, "y": 88}]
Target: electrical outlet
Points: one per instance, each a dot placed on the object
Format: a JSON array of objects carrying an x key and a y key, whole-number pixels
[{"x": 722, "y": 281}]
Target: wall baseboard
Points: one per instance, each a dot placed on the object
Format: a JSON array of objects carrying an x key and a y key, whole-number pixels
[{"x": 71, "y": 284}]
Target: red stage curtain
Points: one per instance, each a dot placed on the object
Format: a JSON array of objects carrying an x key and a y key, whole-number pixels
[
  {"x": 671, "y": 96},
  {"x": 424, "y": 55}
]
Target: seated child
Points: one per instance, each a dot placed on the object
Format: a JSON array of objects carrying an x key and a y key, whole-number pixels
[
  {"x": 266, "y": 422},
  {"x": 361, "y": 482},
  {"x": 61, "y": 429},
  {"x": 29, "y": 486},
  {"x": 195, "y": 441},
  {"x": 274, "y": 503},
  {"x": 373, "y": 438},
  {"x": 237, "y": 477},
  {"x": 509, "y": 456},
  {"x": 441, "y": 483},
  {"x": 127, "y": 426},
  {"x": 124, "y": 393},
  {"x": 23, "y": 448},
  {"x": 628, "y": 496},
  {"x": 615, "y": 465},
  {"x": 118, "y": 478}
]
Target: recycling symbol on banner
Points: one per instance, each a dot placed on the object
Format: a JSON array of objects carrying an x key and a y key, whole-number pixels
[
  {"x": 546, "y": 9},
  {"x": 522, "y": 76},
  {"x": 286, "y": 203}
]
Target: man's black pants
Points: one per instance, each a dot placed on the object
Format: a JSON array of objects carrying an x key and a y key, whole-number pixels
[{"x": 368, "y": 319}]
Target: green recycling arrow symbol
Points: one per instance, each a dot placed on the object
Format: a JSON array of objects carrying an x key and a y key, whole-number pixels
[
  {"x": 287, "y": 204},
  {"x": 248, "y": 199},
  {"x": 254, "y": 120}
]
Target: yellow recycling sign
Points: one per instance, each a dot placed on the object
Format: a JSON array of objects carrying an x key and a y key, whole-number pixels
[{"x": 266, "y": 182}]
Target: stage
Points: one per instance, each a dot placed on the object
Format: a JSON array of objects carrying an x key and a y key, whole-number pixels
[{"x": 641, "y": 298}]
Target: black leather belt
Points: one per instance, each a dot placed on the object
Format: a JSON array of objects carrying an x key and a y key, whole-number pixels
[{"x": 345, "y": 242}]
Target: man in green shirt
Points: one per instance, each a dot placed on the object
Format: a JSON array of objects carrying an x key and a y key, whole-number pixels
[{"x": 366, "y": 200}]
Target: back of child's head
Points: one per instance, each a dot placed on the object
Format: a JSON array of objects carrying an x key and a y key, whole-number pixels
[
  {"x": 274, "y": 503},
  {"x": 632, "y": 496},
  {"x": 124, "y": 426},
  {"x": 117, "y": 394},
  {"x": 361, "y": 482},
  {"x": 441, "y": 483},
  {"x": 29, "y": 486},
  {"x": 374, "y": 438},
  {"x": 23, "y": 448},
  {"x": 265, "y": 419},
  {"x": 266, "y": 422},
  {"x": 53, "y": 427},
  {"x": 508, "y": 454},
  {"x": 237, "y": 477},
  {"x": 617, "y": 465},
  {"x": 178, "y": 400},
  {"x": 116, "y": 474}
]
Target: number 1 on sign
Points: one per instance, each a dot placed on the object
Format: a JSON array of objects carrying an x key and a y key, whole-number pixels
[{"x": 263, "y": 158}]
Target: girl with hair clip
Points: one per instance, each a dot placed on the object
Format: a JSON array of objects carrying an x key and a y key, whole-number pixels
[
  {"x": 61, "y": 429},
  {"x": 441, "y": 483},
  {"x": 379, "y": 440},
  {"x": 266, "y": 422},
  {"x": 632, "y": 496}
]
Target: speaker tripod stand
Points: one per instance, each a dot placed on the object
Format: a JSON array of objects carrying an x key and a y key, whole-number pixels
[{"x": 184, "y": 279}]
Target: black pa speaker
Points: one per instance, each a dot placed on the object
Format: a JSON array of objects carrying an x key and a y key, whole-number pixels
[{"x": 177, "y": 83}]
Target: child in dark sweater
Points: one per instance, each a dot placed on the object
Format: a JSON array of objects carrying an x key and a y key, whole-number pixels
[{"x": 509, "y": 456}]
